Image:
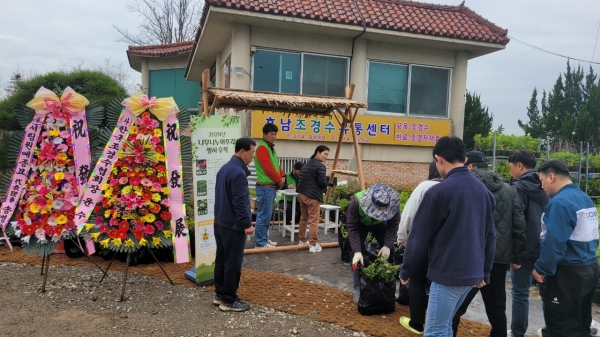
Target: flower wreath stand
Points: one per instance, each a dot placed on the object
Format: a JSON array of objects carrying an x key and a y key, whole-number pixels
[
  {"x": 52, "y": 166},
  {"x": 136, "y": 187}
]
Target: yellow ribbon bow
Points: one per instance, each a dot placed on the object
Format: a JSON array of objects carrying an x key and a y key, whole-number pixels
[
  {"x": 161, "y": 107},
  {"x": 47, "y": 100}
]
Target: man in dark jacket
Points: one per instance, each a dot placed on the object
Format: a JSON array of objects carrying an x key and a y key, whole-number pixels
[
  {"x": 532, "y": 199},
  {"x": 454, "y": 225},
  {"x": 510, "y": 240},
  {"x": 233, "y": 221}
]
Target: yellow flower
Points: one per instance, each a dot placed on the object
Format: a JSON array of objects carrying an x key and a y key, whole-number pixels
[
  {"x": 34, "y": 208},
  {"x": 157, "y": 133},
  {"x": 137, "y": 189},
  {"x": 107, "y": 213},
  {"x": 155, "y": 241},
  {"x": 129, "y": 243},
  {"x": 88, "y": 226},
  {"x": 150, "y": 218},
  {"x": 126, "y": 189},
  {"x": 104, "y": 187},
  {"x": 125, "y": 169},
  {"x": 143, "y": 242},
  {"x": 53, "y": 133},
  {"x": 156, "y": 197},
  {"x": 167, "y": 233},
  {"x": 95, "y": 236},
  {"x": 165, "y": 191},
  {"x": 116, "y": 242},
  {"x": 160, "y": 157},
  {"x": 104, "y": 243},
  {"x": 133, "y": 129},
  {"x": 114, "y": 171},
  {"x": 62, "y": 156},
  {"x": 160, "y": 174},
  {"x": 62, "y": 219},
  {"x": 108, "y": 193},
  {"x": 59, "y": 176}
]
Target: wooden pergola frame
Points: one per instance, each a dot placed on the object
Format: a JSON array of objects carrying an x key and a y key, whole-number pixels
[{"x": 344, "y": 110}]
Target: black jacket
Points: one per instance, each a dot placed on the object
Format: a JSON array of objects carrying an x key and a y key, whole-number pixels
[
  {"x": 312, "y": 180},
  {"x": 232, "y": 199},
  {"x": 532, "y": 200},
  {"x": 508, "y": 217}
]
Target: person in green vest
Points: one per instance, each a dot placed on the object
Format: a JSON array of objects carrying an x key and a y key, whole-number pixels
[
  {"x": 375, "y": 210},
  {"x": 291, "y": 181},
  {"x": 269, "y": 178}
]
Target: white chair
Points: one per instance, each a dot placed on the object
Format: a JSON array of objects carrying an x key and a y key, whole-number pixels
[{"x": 327, "y": 225}]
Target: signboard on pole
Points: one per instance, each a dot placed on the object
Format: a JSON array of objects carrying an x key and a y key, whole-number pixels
[{"x": 213, "y": 144}]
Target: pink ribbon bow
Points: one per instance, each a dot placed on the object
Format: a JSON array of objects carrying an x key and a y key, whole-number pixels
[
  {"x": 51, "y": 104},
  {"x": 148, "y": 102}
]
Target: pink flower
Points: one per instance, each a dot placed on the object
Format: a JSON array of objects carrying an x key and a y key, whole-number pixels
[
  {"x": 149, "y": 230},
  {"x": 165, "y": 202},
  {"x": 157, "y": 187},
  {"x": 146, "y": 182},
  {"x": 47, "y": 151},
  {"x": 98, "y": 220},
  {"x": 65, "y": 134},
  {"x": 113, "y": 222},
  {"x": 155, "y": 140},
  {"x": 123, "y": 180},
  {"x": 159, "y": 225},
  {"x": 135, "y": 181},
  {"x": 103, "y": 228}
]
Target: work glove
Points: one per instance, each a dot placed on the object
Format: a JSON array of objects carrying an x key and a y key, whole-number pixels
[
  {"x": 385, "y": 251},
  {"x": 356, "y": 259}
]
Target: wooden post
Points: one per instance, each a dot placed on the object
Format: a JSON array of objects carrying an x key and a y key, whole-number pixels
[
  {"x": 335, "y": 161},
  {"x": 361, "y": 178},
  {"x": 205, "y": 80}
]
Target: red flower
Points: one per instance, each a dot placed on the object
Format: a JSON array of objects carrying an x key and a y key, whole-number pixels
[
  {"x": 162, "y": 180},
  {"x": 143, "y": 211},
  {"x": 103, "y": 228},
  {"x": 112, "y": 233},
  {"x": 123, "y": 225},
  {"x": 28, "y": 229},
  {"x": 165, "y": 215},
  {"x": 121, "y": 234},
  {"x": 161, "y": 168},
  {"x": 139, "y": 234},
  {"x": 159, "y": 149},
  {"x": 149, "y": 229},
  {"x": 146, "y": 195},
  {"x": 155, "y": 208},
  {"x": 98, "y": 219},
  {"x": 145, "y": 115},
  {"x": 58, "y": 230}
]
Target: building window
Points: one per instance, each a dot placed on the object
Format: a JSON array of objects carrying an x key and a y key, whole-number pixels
[
  {"x": 299, "y": 73},
  {"x": 408, "y": 89},
  {"x": 429, "y": 89},
  {"x": 172, "y": 83},
  {"x": 227, "y": 73}
]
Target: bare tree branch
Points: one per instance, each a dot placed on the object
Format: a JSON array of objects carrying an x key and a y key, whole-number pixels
[{"x": 164, "y": 21}]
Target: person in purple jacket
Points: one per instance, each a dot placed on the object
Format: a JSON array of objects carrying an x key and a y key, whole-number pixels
[{"x": 454, "y": 225}]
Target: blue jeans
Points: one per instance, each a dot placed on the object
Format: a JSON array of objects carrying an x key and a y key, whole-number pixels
[
  {"x": 444, "y": 301},
  {"x": 265, "y": 197},
  {"x": 521, "y": 282}
]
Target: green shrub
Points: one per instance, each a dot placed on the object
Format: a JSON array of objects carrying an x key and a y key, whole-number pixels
[{"x": 571, "y": 159}]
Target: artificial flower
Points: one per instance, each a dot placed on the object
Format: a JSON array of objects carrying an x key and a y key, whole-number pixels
[
  {"x": 104, "y": 243},
  {"x": 143, "y": 242},
  {"x": 129, "y": 243},
  {"x": 167, "y": 233},
  {"x": 95, "y": 236},
  {"x": 155, "y": 241},
  {"x": 116, "y": 242},
  {"x": 62, "y": 219}
]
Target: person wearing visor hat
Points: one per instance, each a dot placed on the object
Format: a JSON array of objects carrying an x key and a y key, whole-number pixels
[{"x": 375, "y": 210}]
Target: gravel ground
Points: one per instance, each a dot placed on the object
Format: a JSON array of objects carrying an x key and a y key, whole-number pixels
[{"x": 75, "y": 304}]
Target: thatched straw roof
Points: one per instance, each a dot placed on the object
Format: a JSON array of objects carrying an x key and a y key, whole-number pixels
[{"x": 274, "y": 101}]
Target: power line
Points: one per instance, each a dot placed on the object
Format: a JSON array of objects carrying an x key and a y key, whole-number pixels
[
  {"x": 596, "y": 42},
  {"x": 550, "y": 52}
]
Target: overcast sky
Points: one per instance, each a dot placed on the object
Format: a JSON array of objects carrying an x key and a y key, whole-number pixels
[{"x": 39, "y": 36}]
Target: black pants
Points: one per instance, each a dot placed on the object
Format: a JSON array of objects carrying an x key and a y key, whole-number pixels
[
  {"x": 494, "y": 299},
  {"x": 228, "y": 262},
  {"x": 568, "y": 300},
  {"x": 417, "y": 295}
]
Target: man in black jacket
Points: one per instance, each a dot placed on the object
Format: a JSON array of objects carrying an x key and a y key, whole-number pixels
[
  {"x": 510, "y": 239},
  {"x": 532, "y": 200},
  {"x": 233, "y": 221}
]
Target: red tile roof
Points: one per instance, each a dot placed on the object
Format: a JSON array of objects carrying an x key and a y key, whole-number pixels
[
  {"x": 161, "y": 49},
  {"x": 455, "y": 22},
  {"x": 458, "y": 22}
]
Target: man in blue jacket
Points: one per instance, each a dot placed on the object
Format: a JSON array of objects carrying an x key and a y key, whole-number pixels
[
  {"x": 454, "y": 227},
  {"x": 233, "y": 221},
  {"x": 567, "y": 265}
]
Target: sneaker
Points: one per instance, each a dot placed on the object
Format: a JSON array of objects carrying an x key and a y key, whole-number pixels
[
  {"x": 266, "y": 246},
  {"x": 217, "y": 301},
  {"x": 305, "y": 243},
  {"x": 539, "y": 333},
  {"x": 315, "y": 249},
  {"x": 236, "y": 306},
  {"x": 405, "y": 322},
  {"x": 272, "y": 243}
]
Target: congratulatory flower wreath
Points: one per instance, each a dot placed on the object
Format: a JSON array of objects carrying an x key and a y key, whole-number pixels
[{"x": 134, "y": 208}]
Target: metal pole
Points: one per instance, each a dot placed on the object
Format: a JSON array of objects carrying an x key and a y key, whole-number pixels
[
  {"x": 587, "y": 164},
  {"x": 579, "y": 168},
  {"x": 494, "y": 154},
  {"x": 547, "y": 147}
]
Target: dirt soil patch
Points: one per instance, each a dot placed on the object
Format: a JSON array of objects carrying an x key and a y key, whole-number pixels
[{"x": 280, "y": 292}]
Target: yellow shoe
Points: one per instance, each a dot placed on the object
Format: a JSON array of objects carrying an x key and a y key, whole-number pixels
[{"x": 404, "y": 322}]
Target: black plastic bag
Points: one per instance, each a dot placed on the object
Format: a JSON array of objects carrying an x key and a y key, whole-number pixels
[
  {"x": 398, "y": 255},
  {"x": 376, "y": 297},
  {"x": 345, "y": 245},
  {"x": 72, "y": 249},
  {"x": 370, "y": 253},
  {"x": 403, "y": 297}
]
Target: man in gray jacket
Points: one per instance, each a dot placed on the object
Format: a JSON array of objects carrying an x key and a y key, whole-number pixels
[{"x": 510, "y": 240}]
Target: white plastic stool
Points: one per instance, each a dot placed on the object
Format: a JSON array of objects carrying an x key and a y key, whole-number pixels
[{"x": 326, "y": 225}]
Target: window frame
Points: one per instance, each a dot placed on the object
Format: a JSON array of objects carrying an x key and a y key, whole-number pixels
[
  {"x": 301, "y": 53},
  {"x": 408, "y": 91}
]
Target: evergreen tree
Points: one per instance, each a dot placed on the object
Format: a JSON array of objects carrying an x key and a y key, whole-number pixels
[
  {"x": 478, "y": 120},
  {"x": 535, "y": 126}
]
